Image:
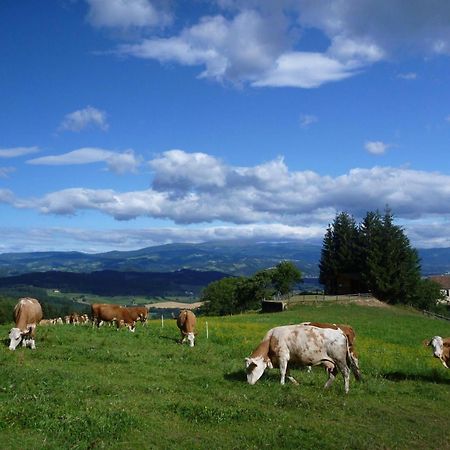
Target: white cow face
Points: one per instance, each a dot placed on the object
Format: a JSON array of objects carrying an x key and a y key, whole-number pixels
[
  {"x": 191, "y": 339},
  {"x": 255, "y": 367},
  {"x": 438, "y": 346},
  {"x": 15, "y": 336}
]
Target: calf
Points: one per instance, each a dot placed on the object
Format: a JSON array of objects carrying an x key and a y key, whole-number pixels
[
  {"x": 302, "y": 345},
  {"x": 186, "y": 323},
  {"x": 27, "y": 314},
  {"x": 441, "y": 349}
]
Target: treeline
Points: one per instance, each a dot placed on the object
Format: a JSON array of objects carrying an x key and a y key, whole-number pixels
[
  {"x": 51, "y": 306},
  {"x": 374, "y": 256},
  {"x": 233, "y": 295},
  {"x": 112, "y": 283}
]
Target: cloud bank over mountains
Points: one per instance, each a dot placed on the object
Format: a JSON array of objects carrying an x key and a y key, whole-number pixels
[{"x": 197, "y": 188}]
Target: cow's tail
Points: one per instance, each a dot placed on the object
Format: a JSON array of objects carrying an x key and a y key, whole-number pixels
[{"x": 353, "y": 363}]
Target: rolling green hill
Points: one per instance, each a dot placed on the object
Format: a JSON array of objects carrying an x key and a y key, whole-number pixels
[{"x": 84, "y": 388}]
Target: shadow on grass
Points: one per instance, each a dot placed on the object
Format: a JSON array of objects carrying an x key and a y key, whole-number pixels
[
  {"x": 170, "y": 338},
  {"x": 435, "y": 376},
  {"x": 237, "y": 376}
]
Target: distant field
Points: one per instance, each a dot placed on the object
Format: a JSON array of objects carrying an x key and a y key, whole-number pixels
[
  {"x": 85, "y": 388},
  {"x": 120, "y": 299}
]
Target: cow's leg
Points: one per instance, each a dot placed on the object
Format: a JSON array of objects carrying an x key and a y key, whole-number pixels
[
  {"x": 331, "y": 370},
  {"x": 346, "y": 374},
  {"x": 283, "y": 369},
  {"x": 32, "y": 344}
]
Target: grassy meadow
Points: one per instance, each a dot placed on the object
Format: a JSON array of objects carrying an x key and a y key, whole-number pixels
[{"x": 84, "y": 388}]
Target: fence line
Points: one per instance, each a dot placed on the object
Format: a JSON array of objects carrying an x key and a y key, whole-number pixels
[{"x": 436, "y": 316}]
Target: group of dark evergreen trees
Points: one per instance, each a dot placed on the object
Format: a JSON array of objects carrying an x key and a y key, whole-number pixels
[
  {"x": 238, "y": 294},
  {"x": 374, "y": 256}
]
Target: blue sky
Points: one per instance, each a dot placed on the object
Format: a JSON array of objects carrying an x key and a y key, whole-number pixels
[{"x": 130, "y": 123}]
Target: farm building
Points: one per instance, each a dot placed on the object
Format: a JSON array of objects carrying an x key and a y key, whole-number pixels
[{"x": 444, "y": 282}]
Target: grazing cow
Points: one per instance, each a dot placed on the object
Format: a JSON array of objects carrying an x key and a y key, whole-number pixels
[
  {"x": 186, "y": 323},
  {"x": 139, "y": 313},
  {"x": 27, "y": 314},
  {"x": 441, "y": 349},
  {"x": 302, "y": 345},
  {"x": 351, "y": 336},
  {"x": 113, "y": 313},
  {"x": 46, "y": 322}
]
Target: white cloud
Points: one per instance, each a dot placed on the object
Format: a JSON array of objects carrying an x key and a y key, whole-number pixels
[
  {"x": 360, "y": 32},
  {"x": 407, "y": 76},
  {"x": 126, "y": 14},
  {"x": 5, "y": 171},
  {"x": 185, "y": 191},
  {"x": 195, "y": 189},
  {"x": 17, "y": 151},
  {"x": 99, "y": 240},
  {"x": 84, "y": 118},
  {"x": 116, "y": 162},
  {"x": 376, "y": 147},
  {"x": 306, "y": 120}
]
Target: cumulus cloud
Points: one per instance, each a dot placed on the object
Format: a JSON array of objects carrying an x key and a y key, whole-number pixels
[
  {"x": 376, "y": 147},
  {"x": 126, "y": 14},
  {"x": 84, "y": 118},
  {"x": 192, "y": 188},
  {"x": 116, "y": 162},
  {"x": 360, "y": 33},
  {"x": 15, "y": 152}
]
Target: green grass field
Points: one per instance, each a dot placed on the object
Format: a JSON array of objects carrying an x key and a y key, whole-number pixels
[{"x": 85, "y": 388}]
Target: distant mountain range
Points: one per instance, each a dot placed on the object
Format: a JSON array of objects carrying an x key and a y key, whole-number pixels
[
  {"x": 230, "y": 257},
  {"x": 227, "y": 257}
]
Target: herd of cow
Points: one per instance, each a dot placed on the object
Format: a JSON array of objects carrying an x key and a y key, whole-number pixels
[{"x": 306, "y": 344}]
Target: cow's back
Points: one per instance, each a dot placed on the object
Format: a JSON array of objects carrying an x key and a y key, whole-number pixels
[
  {"x": 26, "y": 312},
  {"x": 186, "y": 321},
  {"x": 307, "y": 345}
]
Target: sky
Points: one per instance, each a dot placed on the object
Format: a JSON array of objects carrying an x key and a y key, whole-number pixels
[{"x": 132, "y": 123}]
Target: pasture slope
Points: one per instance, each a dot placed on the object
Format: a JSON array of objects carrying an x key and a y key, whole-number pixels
[{"x": 85, "y": 388}]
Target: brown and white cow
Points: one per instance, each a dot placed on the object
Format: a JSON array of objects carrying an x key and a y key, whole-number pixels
[
  {"x": 27, "y": 314},
  {"x": 103, "y": 312},
  {"x": 186, "y": 323},
  {"x": 441, "y": 349},
  {"x": 351, "y": 336},
  {"x": 302, "y": 345},
  {"x": 139, "y": 313}
]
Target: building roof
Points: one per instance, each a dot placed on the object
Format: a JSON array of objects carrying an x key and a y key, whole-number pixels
[{"x": 442, "y": 280}]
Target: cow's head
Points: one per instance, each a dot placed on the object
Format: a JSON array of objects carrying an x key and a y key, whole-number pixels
[
  {"x": 15, "y": 336},
  {"x": 191, "y": 339},
  {"x": 437, "y": 344},
  {"x": 255, "y": 367}
]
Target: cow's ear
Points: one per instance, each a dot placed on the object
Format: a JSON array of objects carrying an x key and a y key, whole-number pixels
[
  {"x": 269, "y": 364},
  {"x": 426, "y": 342}
]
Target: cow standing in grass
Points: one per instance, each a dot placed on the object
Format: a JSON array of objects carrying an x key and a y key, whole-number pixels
[
  {"x": 27, "y": 314},
  {"x": 441, "y": 349},
  {"x": 114, "y": 313},
  {"x": 302, "y": 345},
  {"x": 186, "y": 323}
]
